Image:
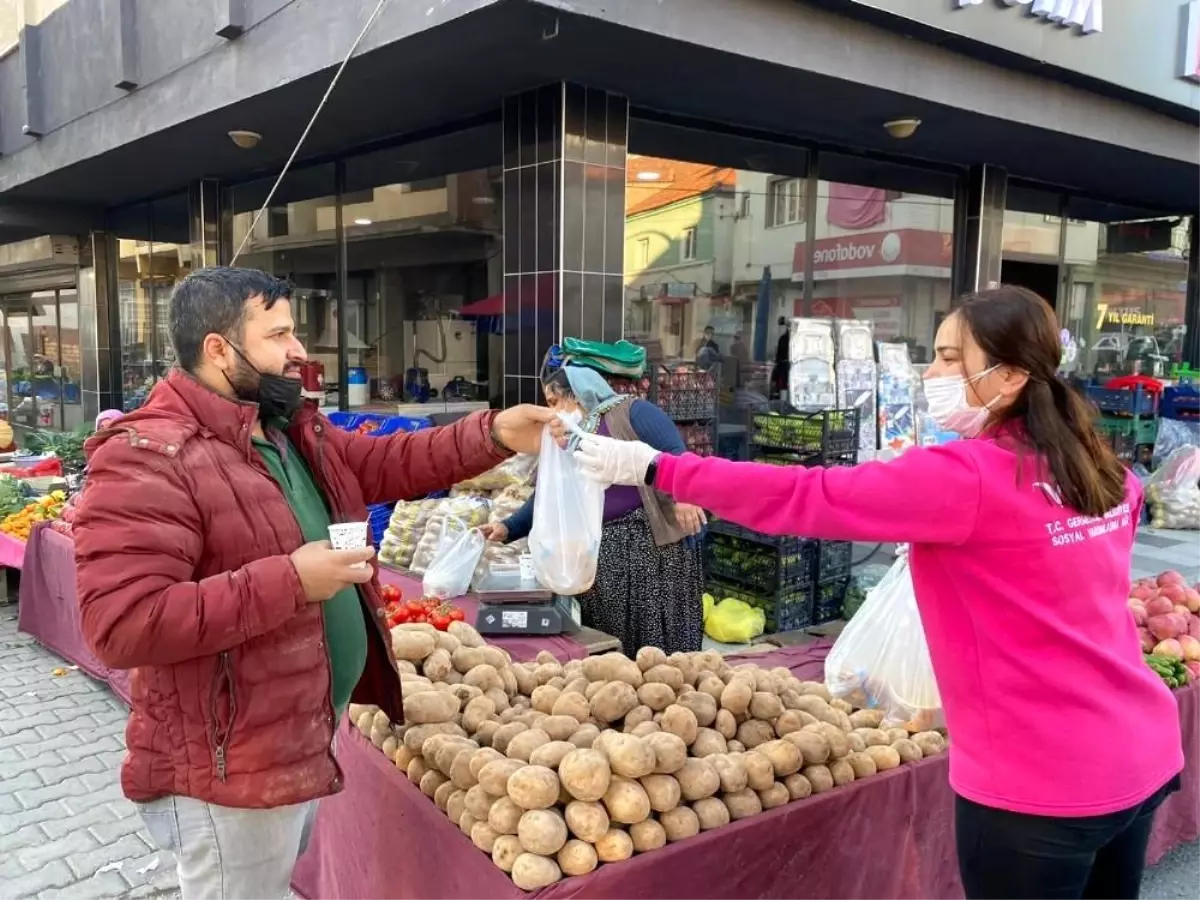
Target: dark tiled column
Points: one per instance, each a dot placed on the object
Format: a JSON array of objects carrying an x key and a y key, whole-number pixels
[
  {"x": 979, "y": 220},
  {"x": 1191, "y": 309},
  {"x": 99, "y": 330},
  {"x": 564, "y": 224}
]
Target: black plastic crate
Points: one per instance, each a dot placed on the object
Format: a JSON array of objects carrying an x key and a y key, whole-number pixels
[
  {"x": 784, "y": 542},
  {"x": 759, "y": 563},
  {"x": 827, "y": 432},
  {"x": 686, "y": 392},
  {"x": 789, "y": 610},
  {"x": 830, "y": 595},
  {"x": 772, "y": 457},
  {"x": 834, "y": 560}
]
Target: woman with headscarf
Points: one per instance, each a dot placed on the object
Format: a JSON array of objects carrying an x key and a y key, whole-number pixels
[{"x": 650, "y": 577}]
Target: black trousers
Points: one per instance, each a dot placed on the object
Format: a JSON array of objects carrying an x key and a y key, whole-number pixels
[{"x": 1012, "y": 855}]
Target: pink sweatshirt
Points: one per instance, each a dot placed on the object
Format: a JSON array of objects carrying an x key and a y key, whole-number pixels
[{"x": 1050, "y": 707}]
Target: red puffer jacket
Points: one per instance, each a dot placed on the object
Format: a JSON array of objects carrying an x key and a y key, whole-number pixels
[{"x": 182, "y": 547}]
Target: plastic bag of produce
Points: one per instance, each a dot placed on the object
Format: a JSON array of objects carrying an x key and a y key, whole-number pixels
[
  {"x": 734, "y": 621},
  {"x": 1173, "y": 492},
  {"x": 881, "y": 660},
  {"x": 568, "y": 512},
  {"x": 1173, "y": 434},
  {"x": 449, "y": 573}
]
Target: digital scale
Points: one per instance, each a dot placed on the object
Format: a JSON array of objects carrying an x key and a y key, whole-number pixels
[{"x": 515, "y": 605}]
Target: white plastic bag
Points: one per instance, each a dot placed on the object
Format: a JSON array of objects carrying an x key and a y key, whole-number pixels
[
  {"x": 568, "y": 513},
  {"x": 1173, "y": 491},
  {"x": 453, "y": 565},
  {"x": 881, "y": 660}
]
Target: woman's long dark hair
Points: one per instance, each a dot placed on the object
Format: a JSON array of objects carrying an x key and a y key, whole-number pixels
[{"x": 1015, "y": 327}]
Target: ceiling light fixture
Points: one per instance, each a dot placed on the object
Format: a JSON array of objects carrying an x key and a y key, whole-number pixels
[
  {"x": 246, "y": 140},
  {"x": 902, "y": 128},
  {"x": 362, "y": 221},
  {"x": 648, "y": 176}
]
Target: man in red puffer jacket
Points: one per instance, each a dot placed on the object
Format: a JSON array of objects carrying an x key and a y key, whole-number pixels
[{"x": 203, "y": 567}]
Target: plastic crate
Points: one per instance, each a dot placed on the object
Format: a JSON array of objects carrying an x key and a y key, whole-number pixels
[
  {"x": 396, "y": 424},
  {"x": 1181, "y": 402},
  {"x": 1134, "y": 430},
  {"x": 790, "y": 610},
  {"x": 757, "y": 565},
  {"x": 1137, "y": 402},
  {"x": 829, "y": 596},
  {"x": 686, "y": 393},
  {"x": 378, "y": 516},
  {"x": 834, "y": 560},
  {"x": 778, "y": 458},
  {"x": 823, "y": 433},
  {"x": 346, "y": 421}
]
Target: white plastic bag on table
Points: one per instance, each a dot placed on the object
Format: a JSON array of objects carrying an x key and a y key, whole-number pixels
[
  {"x": 1173, "y": 491},
  {"x": 453, "y": 565},
  {"x": 881, "y": 660},
  {"x": 568, "y": 512}
]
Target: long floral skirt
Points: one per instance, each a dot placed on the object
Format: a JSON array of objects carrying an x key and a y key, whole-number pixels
[{"x": 646, "y": 595}]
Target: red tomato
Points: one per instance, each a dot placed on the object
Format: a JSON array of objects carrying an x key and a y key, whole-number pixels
[
  {"x": 440, "y": 621},
  {"x": 457, "y": 615},
  {"x": 390, "y": 592}
]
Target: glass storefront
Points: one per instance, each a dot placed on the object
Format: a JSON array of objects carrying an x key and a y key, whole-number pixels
[{"x": 42, "y": 365}]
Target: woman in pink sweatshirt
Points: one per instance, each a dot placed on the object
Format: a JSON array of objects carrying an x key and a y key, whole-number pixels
[{"x": 1020, "y": 554}]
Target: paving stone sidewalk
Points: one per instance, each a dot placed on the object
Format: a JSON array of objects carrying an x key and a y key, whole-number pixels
[{"x": 65, "y": 828}]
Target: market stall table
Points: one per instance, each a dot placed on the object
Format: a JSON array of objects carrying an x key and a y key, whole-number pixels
[
  {"x": 12, "y": 558},
  {"x": 888, "y": 836}
]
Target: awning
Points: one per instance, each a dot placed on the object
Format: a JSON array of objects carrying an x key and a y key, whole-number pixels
[{"x": 540, "y": 292}]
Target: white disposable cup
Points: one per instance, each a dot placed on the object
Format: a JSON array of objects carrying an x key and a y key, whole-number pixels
[{"x": 349, "y": 536}]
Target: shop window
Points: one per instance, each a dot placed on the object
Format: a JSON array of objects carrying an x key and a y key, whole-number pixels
[
  {"x": 1127, "y": 285},
  {"x": 785, "y": 202},
  {"x": 42, "y": 353},
  {"x": 153, "y": 254},
  {"x": 689, "y": 244}
]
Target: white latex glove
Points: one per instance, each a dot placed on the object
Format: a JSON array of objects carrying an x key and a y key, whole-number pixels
[{"x": 610, "y": 461}]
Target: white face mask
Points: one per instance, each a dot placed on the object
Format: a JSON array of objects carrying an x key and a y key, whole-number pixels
[{"x": 947, "y": 400}]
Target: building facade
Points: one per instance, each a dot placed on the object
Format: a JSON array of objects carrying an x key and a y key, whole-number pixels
[{"x": 490, "y": 175}]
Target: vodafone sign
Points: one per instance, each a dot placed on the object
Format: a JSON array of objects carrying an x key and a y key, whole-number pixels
[{"x": 905, "y": 251}]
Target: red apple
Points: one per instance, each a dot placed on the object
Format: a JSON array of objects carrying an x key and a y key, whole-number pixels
[
  {"x": 1182, "y": 610},
  {"x": 1147, "y": 639},
  {"x": 1169, "y": 647},
  {"x": 1159, "y": 606},
  {"x": 1193, "y": 668},
  {"x": 1191, "y": 599},
  {"x": 1143, "y": 592},
  {"x": 1139, "y": 614},
  {"x": 1170, "y": 577},
  {"x": 1193, "y": 628},
  {"x": 1190, "y": 647}
]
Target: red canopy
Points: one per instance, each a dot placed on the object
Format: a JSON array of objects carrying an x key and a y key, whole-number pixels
[{"x": 542, "y": 288}]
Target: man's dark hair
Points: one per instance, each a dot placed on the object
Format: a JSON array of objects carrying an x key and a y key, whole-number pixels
[
  {"x": 213, "y": 301},
  {"x": 708, "y": 329}
]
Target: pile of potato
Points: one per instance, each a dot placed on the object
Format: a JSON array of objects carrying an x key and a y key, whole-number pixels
[{"x": 553, "y": 769}]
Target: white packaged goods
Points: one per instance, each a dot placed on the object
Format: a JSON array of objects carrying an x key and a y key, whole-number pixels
[{"x": 811, "y": 382}]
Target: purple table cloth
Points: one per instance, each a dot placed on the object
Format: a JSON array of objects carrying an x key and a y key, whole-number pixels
[{"x": 12, "y": 552}]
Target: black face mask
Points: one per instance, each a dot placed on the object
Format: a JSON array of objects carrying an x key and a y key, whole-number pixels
[{"x": 277, "y": 396}]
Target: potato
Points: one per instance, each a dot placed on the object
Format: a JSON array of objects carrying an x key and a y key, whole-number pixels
[
  {"x": 862, "y": 764},
  {"x": 680, "y": 823},
  {"x": 663, "y": 790},
  {"x": 460, "y": 770},
  {"x": 530, "y": 718},
  {"x": 523, "y": 744},
  {"x": 908, "y": 750},
  {"x": 725, "y": 724},
  {"x": 479, "y": 802},
  {"x": 711, "y": 813},
  {"x": 667, "y": 674},
  {"x": 551, "y": 754},
  {"x": 842, "y": 771},
  {"x": 593, "y": 688},
  {"x": 630, "y": 756},
  {"x": 542, "y": 831},
  {"x": 544, "y": 697},
  {"x": 791, "y": 720},
  {"x": 866, "y": 718},
  {"x": 505, "y": 733},
  {"x": 815, "y": 688},
  {"x": 708, "y": 742},
  {"x": 493, "y": 777},
  {"x": 442, "y": 795},
  {"x": 753, "y": 732},
  {"x": 485, "y": 677},
  {"x": 456, "y": 805},
  {"x": 437, "y": 664},
  {"x": 743, "y": 804},
  {"x": 648, "y": 835},
  {"x": 872, "y": 737},
  {"x": 776, "y": 795},
  {"x": 649, "y": 657},
  {"x": 466, "y": 634},
  {"x": 577, "y": 858},
  {"x": 885, "y": 757},
  {"x": 698, "y": 779},
  {"x": 613, "y": 701},
  {"x": 466, "y": 822},
  {"x": 379, "y": 737},
  {"x": 404, "y": 667},
  {"x": 498, "y": 697},
  {"x": 808, "y": 703},
  {"x": 645, "y": 729},
  {"x": 526, "y": 683},
  {"x": 587, "y": 821},
  {"x": 570, "y": 703},
  {"x": 857, "y": 744},
  {"x": 614, "y": 846},
  {"x": 712, "y": 686},
  {"x": 533, "y": 787},
  {"x": 450, "y": 752},
  {"x": 639, "y": 715},
  {"x": 415, "y": 737},
  {"x": 486, "y": 731},
  {"x": 431, "y": 781},
  {"x": 586, "y": 774},
  {"x": 731, "y": 769},
  {"x": 476, "y": 713},
  {"x": 483, "y": 837},
  {"x": 612, "y": 667},
  {"x": 585, "y": 736},
  {"x": 798, "y": 787},
  {"x": 402, "y": 757},
  {"x": 930, "y": 742},
  {"x": 626, "y": 801},
  {"x": 412, "y": 645},
  {"x": 765, "y": 706},
  {"x": 819, "y": 777},
  {"x": 786, "y": 758},
  {"x": 446, "y": 641},
  {"x": 812, "y": 745},
  {"x": 578, "y": 686},
  {"x": 760, "y": 773},
  {"x": 841, "y": 706},
  {"x": 736, "y": 697},
  {"x": 681, "y": 721},
  {"x": 530, "y": 871},
  {"x": 702, "y": 706},
  {"x": 670, "y": 752},
  {"x": 416, "y": 770},
  {"x": 656, "y": 696},
  {"x": 504, "y": 816},
  {"x": 839, "y": 745},
  {"x": 505, "y": 850}
]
